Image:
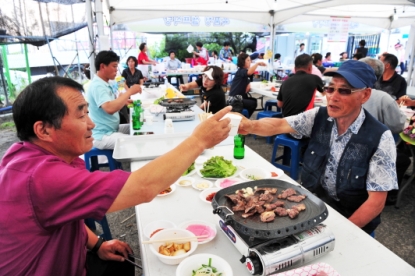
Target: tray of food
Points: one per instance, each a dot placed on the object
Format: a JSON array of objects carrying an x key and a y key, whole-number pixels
[{"x": 268, "y": 208}]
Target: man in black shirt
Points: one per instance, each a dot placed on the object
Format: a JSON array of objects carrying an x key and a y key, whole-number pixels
[
  {"x": 297, "y": 92},
  {"x": 391, "y": 82},
  {"x": 212, "y": 91}
]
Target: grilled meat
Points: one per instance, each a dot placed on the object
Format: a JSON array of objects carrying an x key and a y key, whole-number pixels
[
  {"x": 270, "y": 190},
  {"x": 296, "y": 198},
  {"x": 281, "y": 212},
  {"x": 272, "y": 206},
  {"x": 292, "y": 213},
  {"x": 267, "y": 216},
  {"x": 300, "y": 207},
  {"x": 287, "y": 193},
  {"x": 267, "y": 197}
]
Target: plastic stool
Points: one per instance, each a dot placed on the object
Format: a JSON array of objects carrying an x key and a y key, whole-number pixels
[
  {"x": 372, "y": 234},
  {"x": 270, "y": 103},
  {"x": 291, "y": 156},
  {"x": 245, "y": 113},
  {"x": 91, "y": 163},
  {"x": 91, "y": 160},
  {"x": 268, "y": 114}
]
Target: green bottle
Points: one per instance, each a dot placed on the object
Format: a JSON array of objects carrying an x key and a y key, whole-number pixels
[
  {"x": 239, "y": 146},
  {"x": 136, "y": 116}
]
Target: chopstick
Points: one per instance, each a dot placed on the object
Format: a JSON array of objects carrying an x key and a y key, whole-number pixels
[
  {"x": 183, "y": 239},
  {"x": 207, "y": 106}
]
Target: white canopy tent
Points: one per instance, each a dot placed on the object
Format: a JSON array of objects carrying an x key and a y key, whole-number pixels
[{"x": 386, "y": 14}]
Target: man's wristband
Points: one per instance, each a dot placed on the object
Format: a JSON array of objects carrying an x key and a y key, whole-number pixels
[{"x": 97, "y": 245}]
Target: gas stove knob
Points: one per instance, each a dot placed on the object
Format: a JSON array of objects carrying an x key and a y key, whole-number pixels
[{"x": 254, "y": 266}]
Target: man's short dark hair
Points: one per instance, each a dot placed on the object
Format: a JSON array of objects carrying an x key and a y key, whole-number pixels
[
  {"x": 199, "y": 44},
  {"x": 241, "y": 60},
  {"x": 302, "y": 61},
  {"x": 277, "y": 56},
  {"x": 39, "y": 101},
  {"x": 105, "y": 57},
  {"x": 226, "y": 44},
  {"x": 172, "y": 52},
  {"x": 217, "y": 74},
  {"x": 142, "y": 46},
  {"x": 391, "y": 59},
  {"x": 133, "y": 58},
  {"x": 316, "y": 57},
  {"x": 328, "y": 54},
  {"x": 302, "y": 44},
  {"x": 362, "y": 43}
]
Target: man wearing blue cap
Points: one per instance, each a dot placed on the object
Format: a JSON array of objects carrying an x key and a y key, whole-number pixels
[{"x": 350, "y": 160}]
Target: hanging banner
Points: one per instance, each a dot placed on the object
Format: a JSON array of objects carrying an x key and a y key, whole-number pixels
[{"x": 339, "y": 29}]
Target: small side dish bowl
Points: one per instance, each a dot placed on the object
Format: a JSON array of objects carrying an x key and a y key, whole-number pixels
[
  {"x": 255, "y": 174},
  {"x": 206, "y": 192},
  {"x": 185, "y": 181},
  {"x": 164, "y": 193},
  {"x": 202, "y": 185},
  {"x": 172, "y": 234},
  {"x": 195, "y": 262},
  {"x": 153, "y": 226},
  {"x": 200, "y": 228}
]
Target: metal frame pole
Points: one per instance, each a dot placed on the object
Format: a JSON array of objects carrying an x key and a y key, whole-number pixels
[
  {"x": 29, "y": 73},
  {"x": 6, "y": 65},
  {"x": 91, "y": 35}
]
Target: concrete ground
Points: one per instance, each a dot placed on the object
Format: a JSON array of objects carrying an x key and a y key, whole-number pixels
[{"x": 396, "y": 232}]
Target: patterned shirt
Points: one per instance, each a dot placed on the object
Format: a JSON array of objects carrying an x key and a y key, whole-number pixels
[
  {"x": 382, "y": 171},
  {"x": 225, "y": 54}
]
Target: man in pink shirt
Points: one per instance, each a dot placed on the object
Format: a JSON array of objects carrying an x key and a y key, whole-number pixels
[{"x": 46, "y": 192}]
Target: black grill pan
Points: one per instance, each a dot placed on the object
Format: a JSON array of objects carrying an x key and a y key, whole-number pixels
[
  {"x": 185, "y": 102},
  {"x": 316, "y": 212}
]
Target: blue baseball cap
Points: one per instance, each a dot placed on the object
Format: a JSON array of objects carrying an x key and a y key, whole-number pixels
[{"x": 357, "y": 74}]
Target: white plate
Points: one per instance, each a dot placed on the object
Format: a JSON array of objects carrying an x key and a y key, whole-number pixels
[
  {"x": 220, "y": 181},
  {"x": 156, "y": 225},
  {"x": 173, "y": 188},
  {"x": 203, "y": 194},
  {"x": 188, "y": 181},
  {"x": 200, "y": 228},
  {"x": 251, "y": 174},
  {"x": 277, "y": 171},
  {"x": 208, "y": 185},
  {"x": 194, "y": 262}
]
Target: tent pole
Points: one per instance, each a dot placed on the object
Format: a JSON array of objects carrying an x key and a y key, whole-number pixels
[
  {"x": 91, "y": 56},
  {"x": 100, "y": 22},
  {"x": 76, "y": 46},
  {"x": 411, "y": 63},
  {"x": 29, "y": 74},
  {"x": 9, "y": 81},
  {"x": 272, "y": 29},
  {"x": 47, "y": 39}
]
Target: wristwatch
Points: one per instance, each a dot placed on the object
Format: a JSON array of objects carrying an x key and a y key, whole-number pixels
[{"x": 98, "y": 244}]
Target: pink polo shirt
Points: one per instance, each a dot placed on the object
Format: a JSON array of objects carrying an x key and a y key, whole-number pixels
[{"x": 43, "y": 202}]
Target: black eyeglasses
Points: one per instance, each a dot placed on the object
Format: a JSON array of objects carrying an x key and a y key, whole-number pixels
[{"x": 342, "y": 91}]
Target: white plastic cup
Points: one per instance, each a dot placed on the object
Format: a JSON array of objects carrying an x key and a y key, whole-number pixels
[{"x": 235, "y": 121}]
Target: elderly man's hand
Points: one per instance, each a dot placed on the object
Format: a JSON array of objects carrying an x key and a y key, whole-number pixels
[
  {"x": 134, "y": 89},
  {"x": 214, "y": 130},
  {"x": 245, "y": 126},
  {"x": 114, "y": 250}
]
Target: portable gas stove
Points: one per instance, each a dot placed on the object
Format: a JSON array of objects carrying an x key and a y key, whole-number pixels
[
  {"x": 179, "y": 109},
  {"x": 273, "y": 247}
]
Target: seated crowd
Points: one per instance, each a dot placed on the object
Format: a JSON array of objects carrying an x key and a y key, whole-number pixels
[{"x": 351, "y": 161}]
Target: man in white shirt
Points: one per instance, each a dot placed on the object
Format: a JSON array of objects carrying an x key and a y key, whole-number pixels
[{"x": 300, "y": 50}]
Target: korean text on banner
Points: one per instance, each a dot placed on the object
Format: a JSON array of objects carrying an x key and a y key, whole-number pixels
[{"x": 339, "y": 29}]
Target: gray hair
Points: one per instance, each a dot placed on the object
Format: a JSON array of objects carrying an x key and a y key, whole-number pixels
[{"x": 376, "y": 65}]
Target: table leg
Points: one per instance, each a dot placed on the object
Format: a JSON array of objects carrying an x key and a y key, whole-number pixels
[{"x": 409, "y": 181}]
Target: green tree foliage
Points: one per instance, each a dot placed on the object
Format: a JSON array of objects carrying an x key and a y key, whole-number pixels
[{"x": 158, "y": 50}]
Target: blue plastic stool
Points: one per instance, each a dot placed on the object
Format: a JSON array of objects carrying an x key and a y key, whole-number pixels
[
  {"x": 270, "y": 103},
  {"x": 245, "y": 113},
  {"x": 372, "y": 234},
  {"x": 268, "y": 114},
  {"x": 91, "y": 160},
  {"x": 291, "y": 155},
  {"x": 91, "y": 163},
  {"x": 191, "y": 77}
]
